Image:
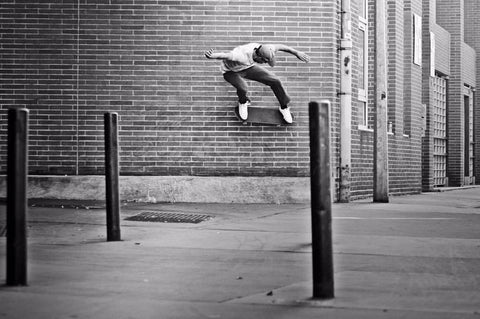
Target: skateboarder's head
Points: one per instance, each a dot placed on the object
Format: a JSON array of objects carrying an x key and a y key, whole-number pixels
[{"x": 265, "y": 53}]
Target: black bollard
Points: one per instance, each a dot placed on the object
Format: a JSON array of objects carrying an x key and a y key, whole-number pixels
[
  {"x": 111, "y": 177},
  {"x": 17, "y": 171},
  {"x": 323, "y": 287}
]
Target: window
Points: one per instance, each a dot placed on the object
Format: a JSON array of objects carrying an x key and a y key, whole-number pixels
[
  {"x": 469, "y": 142},
  {"x": 363, "y": 9},
  {"x": 417, "y": 39},
  {"x": 363, "y": 65}
]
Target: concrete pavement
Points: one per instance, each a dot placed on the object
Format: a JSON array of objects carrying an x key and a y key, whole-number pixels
[{"x": 415, "y": 257}]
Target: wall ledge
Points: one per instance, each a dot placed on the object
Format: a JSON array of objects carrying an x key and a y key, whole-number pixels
[{"x": 271, "y": 190}]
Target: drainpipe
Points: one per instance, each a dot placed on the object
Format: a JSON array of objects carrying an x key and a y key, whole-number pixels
[{"x": 345, "y": 102}]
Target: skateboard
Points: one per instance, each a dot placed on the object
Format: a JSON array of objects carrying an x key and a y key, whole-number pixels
[{"x": 262, "y": 115}]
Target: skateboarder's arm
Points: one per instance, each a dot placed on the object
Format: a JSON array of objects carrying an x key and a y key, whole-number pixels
[
  {"x": 219, "y": 55},
  {"x": 299, "y": 54}
]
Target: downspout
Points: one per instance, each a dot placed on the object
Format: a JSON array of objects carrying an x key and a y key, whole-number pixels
[{"x": 345, "y": 102}]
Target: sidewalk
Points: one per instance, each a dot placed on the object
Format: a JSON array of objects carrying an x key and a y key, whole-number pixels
[{"x": 415, "y": 257}]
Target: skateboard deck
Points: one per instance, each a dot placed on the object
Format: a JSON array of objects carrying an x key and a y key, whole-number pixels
[{"x": 263, "y": 115}]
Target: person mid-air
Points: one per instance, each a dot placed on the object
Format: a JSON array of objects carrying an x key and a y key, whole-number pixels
[{"x": 242, "y": 63}]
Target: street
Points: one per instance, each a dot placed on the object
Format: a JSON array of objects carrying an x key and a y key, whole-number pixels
[{"x": 415, "y": 257}]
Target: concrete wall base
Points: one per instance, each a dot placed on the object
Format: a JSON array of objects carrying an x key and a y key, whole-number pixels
[{"x": 277, "y": 190}]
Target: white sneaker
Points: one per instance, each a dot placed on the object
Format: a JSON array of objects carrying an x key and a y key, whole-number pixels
[
  {"x": 287, "y": 116},
  {"x": 243, "y": 110}
]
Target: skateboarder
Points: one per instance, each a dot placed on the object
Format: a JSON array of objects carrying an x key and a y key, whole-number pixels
[{"x": 242, "y": 62}]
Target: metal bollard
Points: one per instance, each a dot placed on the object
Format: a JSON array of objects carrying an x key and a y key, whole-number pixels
[
  {"x": 323, "y": 286},
  {"x": 111, "y": 177},
  {"x": 17, "y": 171}
]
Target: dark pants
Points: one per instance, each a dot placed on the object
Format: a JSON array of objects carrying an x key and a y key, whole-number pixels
[{"x": 259, "y": 74}]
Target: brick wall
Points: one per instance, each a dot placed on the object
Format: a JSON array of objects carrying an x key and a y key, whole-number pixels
[
  {"x": 450, "y": 15},
  {"x": 362, "y": 140},
  {"x": 404, "y": 100},
  {"x": 395, "y": 73},
  {"x": 413, "y": 72},
  {"x": 472, "y": 38},
  {"x": 428, "y": 14},
  {"x": 70, "y": 61},
  {"x": 38, "y": 54},
  {"x": 404, "y": 152}
]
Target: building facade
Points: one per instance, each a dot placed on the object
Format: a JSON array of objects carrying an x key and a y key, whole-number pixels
[
  {"x": 449, "y": 90},
  {"x": 71, "y": 61}
]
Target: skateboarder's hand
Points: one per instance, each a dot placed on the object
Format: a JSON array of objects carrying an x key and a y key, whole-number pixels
[
  {"x": 303, "y": 57},
  {"x": 209, "y": 54}
]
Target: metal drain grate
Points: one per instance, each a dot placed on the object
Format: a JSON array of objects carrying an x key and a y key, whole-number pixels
[{"x": 169, "y": 217}]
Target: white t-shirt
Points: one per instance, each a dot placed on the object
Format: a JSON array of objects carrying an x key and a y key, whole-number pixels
[{"x": 242, "y": 58}]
